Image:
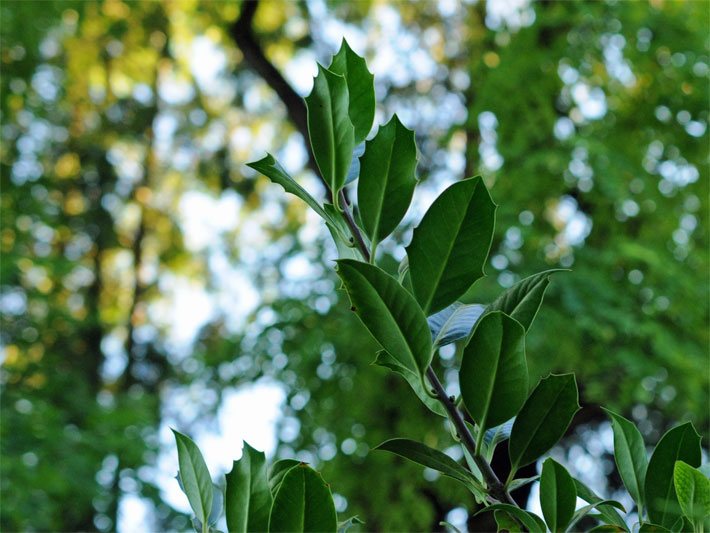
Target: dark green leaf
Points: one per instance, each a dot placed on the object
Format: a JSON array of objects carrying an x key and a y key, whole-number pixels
[
  {"x": 387, "y": 179},
  {"x": 652, "y": 528},
  {"x": 609, "y": 514},
  {"x": 414, "y": 380},
  {"x": 584, "y": 511},
  {"x": 453, "y": 323},
  {"x": 531, "y": 521},
  {"x": 522, "y": 300},
  {"x": 195, "y": 478},
  {"x": 495, "y": 436},
  {"x": 494, "y": 375},
  {"x": 271, "y": 168},
  {"x": 429, "y": 457},
  {"x": 543, "y": 419},
  {"x": 521, "y": 482},
  {"x": 216, "y": 510},
  {"x": 606, "y": 528},
  {"x": 389, "y": 312},
  {"x": 248, "y": 495},
  {"x": 329, "y": 127},
  {"x": 278, "y": 470},
  {"x": 361, "y": 89},
  {"x": 557, "y": 495},
  {"x": 506, "y": 522},
  {"x": 682, "y": 443},
  {"x": 693, "y": 490},
  {"x": 630, "y": 456},
  {"x": 450, "y": 245},
  {"x": 303, "y": 503}
]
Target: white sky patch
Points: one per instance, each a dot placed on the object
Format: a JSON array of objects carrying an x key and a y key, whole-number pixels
[
  {"x": 204, "y": 218},
  {"x": 207, "y": 61},
  {"x": 591, "y": 101}
]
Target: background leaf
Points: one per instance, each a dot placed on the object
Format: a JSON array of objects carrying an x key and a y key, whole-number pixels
[
  {"x": 609, "y": 514},
  {"x": 361, "y": 89},
  {"x": 454, "y": 322},
  {"x": 531, "y": 521},
  {"x": 389, "y": 312},
  {"x": 693, "y": 491},
  {"x": 196, "y": 480},
  {"x": 331, "y": 132},
  {"x": 387, "y": 179},
  {"x": 494, "y": 375},
  {"x": 630, "y": 456},
  {"x": 248, "y": 495},
  {"x": 557, "y": 495},
  {"x": 543, "y": 419},
  {"x": 682, "y": 443},
  {"x": 450, "y": 245},
  {"x": 303, "y": 503}
]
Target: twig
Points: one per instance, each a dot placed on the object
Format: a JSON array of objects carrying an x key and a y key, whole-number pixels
[{"x": 353, "y": 227}]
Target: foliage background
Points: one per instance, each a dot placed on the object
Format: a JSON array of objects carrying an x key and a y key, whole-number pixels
[{"x": 149, "y": 278}]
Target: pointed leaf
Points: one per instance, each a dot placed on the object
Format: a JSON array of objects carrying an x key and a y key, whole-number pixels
[
  {"x": 505, "y": 522},
  {"x": 522, "y": 300},
  {"x": 271, "y": 168},
  {"x": 451, "y": 244},
  {"x": 543, "y": 419},
  {"x": 630, "y": 456},
  {"x": 277, "y": 472},
  {"x": 387, "y": 179},
  {"x": 693, "y": 490},
  {"x": 414, "y": 380},
  {"x": 557, "y": 495},
  {"x": 248, "y": 495},
  {"x": 429, "y": 457},
  {"x": 361, "y": 89},
  {"x": 494, "y": 375},
  {"x": 194, "y": 476},
  {"x": 329, "y": 127},
  {"x": 521, "y": 482},
  {"x": 303, "y": 503},
  {"x": 495, "y": 436},
  {"x": 609, "y": 514},
  {"x": 454, "y": 323},
  {"x": 584, "y": 511},
  {"x": 389, "y": 312},
  {"x": 682, "y": 443},
  {"x": 531, "y": 521}
]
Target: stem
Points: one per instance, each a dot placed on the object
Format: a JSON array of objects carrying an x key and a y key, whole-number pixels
[
  {"x": 353, "y": 227},
  {"x": 495, "y": 487}
]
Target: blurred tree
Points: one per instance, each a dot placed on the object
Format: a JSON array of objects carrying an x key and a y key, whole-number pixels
[{"x": 125, "y": 127}]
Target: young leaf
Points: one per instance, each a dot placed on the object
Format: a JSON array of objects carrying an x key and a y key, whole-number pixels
[
  {"x": 329, "y": 127},
  {"x": 543, "y": 419},
  {"x": 248, "y": 495},
  {"x": 453, "y": 323},
  {"x": 386, "y": 360},
  {"x": 494, "y": 436},
  {"x": 584, "y": 511},
  {"x": 682, "y": 443},
  {"x": 429, "y": 457},
  {"x": 361, "y": 89},
  {"x": 451, "y": 244},
  {"x": 609, "y": 514},
  {"x": 630, "y": 457},
  {"x": 195, "y": 478},
  {"x": 557, "y": 495},
  {"x": 494, "y": 375},
  {"x": 277, "y": 472},
  {"x": 387, "y": 179},
  {"x": 693, "y": 490},
  {"x": 522, "y": 300},
  {"x": 303, "y": 503},
  {"x": 389, "y": 312},
  {"x": 521, "y": 482},
  {"x": 345, "y": 525},
  {"x": 531, "y": 521},
  {"x": 271, "y": 168}
]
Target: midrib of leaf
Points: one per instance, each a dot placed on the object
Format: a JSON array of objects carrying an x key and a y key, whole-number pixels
[
  {"x": 375, "y": 237},
  {"x": 628, "y": 453},
  {"x": 671, "y": 485},
  {"x": 482, "y": 429},
  {"x": 537, "y": 429},
  {"x": 444, "y": 325},
  {"x": 448, "y": 254}
]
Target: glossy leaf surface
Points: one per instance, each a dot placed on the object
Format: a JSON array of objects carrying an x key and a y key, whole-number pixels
[
  {"x": 387, "y": 179},
  {"x": 557, "y": 495},
  {"x": 329, "y": 127},
  {"x": 494, "y": 375},
  {"x": 454, "y": 323},
  {"x": 682, "y": 443},
  {"x": 389, "y": 312},
  {"x": 303, "y": 503},
  {"x": 543, "y": 419},
  {"x": 693, "y": 491},
  {"x": 248, "y": 495},
  {"x": 630, "y": 456},
  {"x": 361, "y": 89},
  {"x": 450, "y": 246}
]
